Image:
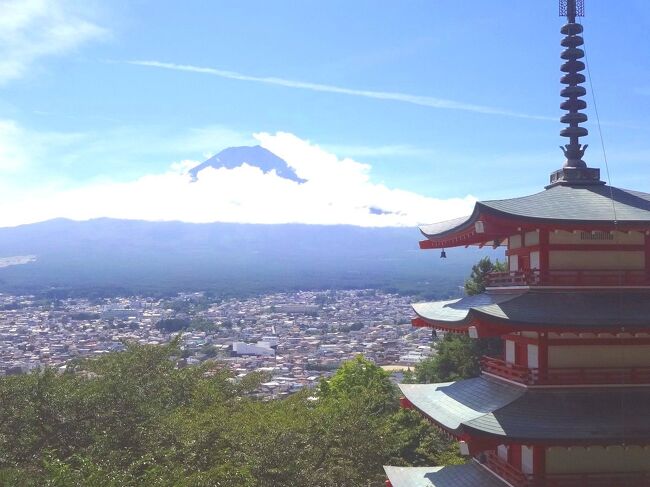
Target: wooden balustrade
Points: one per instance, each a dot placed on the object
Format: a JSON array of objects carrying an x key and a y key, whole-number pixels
[
  {"x": 566, "y": 376},
  {"x": 503, "y": 469},
  {"x": 517, "y": 478},
  {"x": 517, "y": 373},
  {"x": 622, "y": 479},
  {"x": 535, "y": 277}
]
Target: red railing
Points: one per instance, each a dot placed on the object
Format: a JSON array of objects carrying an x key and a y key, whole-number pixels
[
  {"x": 518, "y": 479},
  {"x": 517, "y": 373},
  {"x": 635, "y": 479},
  {"x": 536, "y": 277},
  {"x": 566, "y": 376},
  {"x": 506, "y": 471}
]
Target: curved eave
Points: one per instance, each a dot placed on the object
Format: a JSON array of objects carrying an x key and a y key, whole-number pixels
[
  {"x": 540, "y": 310},
  {"x": 439, "y": 314},
  {"x": 556, "y": 208},
  {"x": 496, "y": 412},
  {"x": 459, "y": 314},
  {"x": 564, "y": 223},
  {"x": 468, "y": 475}
]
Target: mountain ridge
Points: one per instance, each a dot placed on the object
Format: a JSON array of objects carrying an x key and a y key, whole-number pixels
[
  {"x": 138, "y": 256},
  {"x": 257, "y": 156}
]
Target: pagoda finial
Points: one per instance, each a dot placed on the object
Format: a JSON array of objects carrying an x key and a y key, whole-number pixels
[
  {"x": 573, "y": 151},
  {"x": 575, "y": 170}
]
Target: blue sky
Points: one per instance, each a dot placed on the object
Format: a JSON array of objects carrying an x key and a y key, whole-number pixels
[{"x": 435, "y": 98}]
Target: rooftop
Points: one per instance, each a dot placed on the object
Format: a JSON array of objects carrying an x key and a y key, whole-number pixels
[
  {"x": 586, "y": 309},
  {"x": 469, "y": 475},
  {"x": 487, "y": 407},
  {"x": 562, "y": 205}
]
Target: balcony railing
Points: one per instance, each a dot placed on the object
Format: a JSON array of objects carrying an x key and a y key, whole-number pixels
[
  {"x": 518, "y": 479},
  {"x": 503, "y": 469},
  {"x": 535, "y": 277},
  {"x": 635, "y": 479},
  {"x": 566, "y": 376}
]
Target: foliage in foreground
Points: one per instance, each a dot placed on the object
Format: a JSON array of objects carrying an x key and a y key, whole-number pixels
[
  {"x": 132, "y": 418},
  {"x": 458, "y": 356}
]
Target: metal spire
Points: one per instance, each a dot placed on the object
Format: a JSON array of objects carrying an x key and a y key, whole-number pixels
[
  {"x": 573, "y": 79},
  {"x": 575, "y": 170}
]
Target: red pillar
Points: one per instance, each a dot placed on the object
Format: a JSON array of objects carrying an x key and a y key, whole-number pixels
[
  {"x": 514, "y": 455},
  {"x": 539, "y": 461},
  {"x": 647, "y": 257},
  {"x": 542, "y": 353},
  {"x": 543, "y": 253}
]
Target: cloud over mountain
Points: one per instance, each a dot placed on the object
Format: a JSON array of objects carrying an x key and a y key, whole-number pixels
[{"x": 328, "y": 190}]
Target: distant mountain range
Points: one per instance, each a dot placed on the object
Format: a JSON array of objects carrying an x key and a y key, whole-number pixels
[
  {"x": 108, "y": 256},
  {"x": 104, "y": 256},
  {"x": 257, "y": 156}
]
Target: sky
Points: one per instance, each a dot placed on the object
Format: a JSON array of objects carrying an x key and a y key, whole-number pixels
[{"x": 414, "y": 108}]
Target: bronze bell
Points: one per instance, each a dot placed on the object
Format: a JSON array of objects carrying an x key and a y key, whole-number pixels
[{"x": 443, "y": 254}]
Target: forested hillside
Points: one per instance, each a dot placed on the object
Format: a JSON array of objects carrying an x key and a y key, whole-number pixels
[
  {"x": 134, "y": 418},
  {"x": 100, "y": 257}
]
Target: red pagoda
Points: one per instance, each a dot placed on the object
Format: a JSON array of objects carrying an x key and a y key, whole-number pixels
[{"x": 568, "y": 402}]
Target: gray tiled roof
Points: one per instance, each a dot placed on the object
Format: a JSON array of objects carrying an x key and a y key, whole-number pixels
[
  {"x": 457, "y": 310},
  {"x": 469, "y": 475},
  {"x": 546, "y": 308},
  {"x": 441, "y": 228},
  {"x": 589, "y": 203},
  {"x": 561, "y": 204},
  {"x": 456, "y": 403},
  {"x": 486, "y": 406}
]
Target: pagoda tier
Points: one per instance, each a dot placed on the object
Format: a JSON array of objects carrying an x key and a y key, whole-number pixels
[
  {"x": 488, "y": 412},
  {"x": 562, "y": 207},
  {"x": 541, "y": 310},
  {"x": 471, "y": 474},
  {"x": 551, "y": 437}
]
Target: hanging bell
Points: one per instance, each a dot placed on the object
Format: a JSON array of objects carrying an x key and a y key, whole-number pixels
[{"x": 443, "y": 254}]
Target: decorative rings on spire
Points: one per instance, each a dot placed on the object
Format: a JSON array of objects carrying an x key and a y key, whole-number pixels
[{"x": 573, "y": 91}]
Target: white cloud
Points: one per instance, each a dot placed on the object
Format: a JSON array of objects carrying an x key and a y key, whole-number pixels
[
  {"x": 32, "y": 29},
  {"x": 20, "y": 148},
  {"x": 337, "y": 191},
  {"x": 425, "y": 101}
]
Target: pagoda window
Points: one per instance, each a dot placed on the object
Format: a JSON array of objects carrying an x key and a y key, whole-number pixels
[
  {"x": 513, "y": 263},
  {"x": 533, "y": 356},
  {"x": 534, "y": 260},
  {"x": 531, "y": 238},
  {"x": 502, "y": 452},
  {"x": 597, "y": 459},
  {"x": 510, "y": 351},
  {"x": 527, "y": 462},
  {"x": 514, "y": 242}
]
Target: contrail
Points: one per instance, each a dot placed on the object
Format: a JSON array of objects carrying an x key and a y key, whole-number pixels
[{"x": 425, "y": 101}]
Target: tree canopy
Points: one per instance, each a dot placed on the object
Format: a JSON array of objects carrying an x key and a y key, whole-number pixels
[
  {"x": 477, "y": 280},
  {"x": 458, "y": 356},
  {"x": 135, "y": 418}
]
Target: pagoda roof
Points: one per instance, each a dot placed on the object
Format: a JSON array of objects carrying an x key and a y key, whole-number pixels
[
  {"x": 562, "y": 204},
  {"x": 494, "y": 408},
  {"x": 468, "y": 475},
  {"x": 543, "y": 309}
]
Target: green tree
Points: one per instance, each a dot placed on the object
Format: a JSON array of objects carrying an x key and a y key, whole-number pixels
[
  {"x": 361, "y": 378},
  {"x": 134, "y": 418},
  {"x": 458, "y": 356},
  {"x": 477, "y": 280}
]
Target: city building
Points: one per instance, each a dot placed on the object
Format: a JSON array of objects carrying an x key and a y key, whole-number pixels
[{"x": 568, "y": 402}]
